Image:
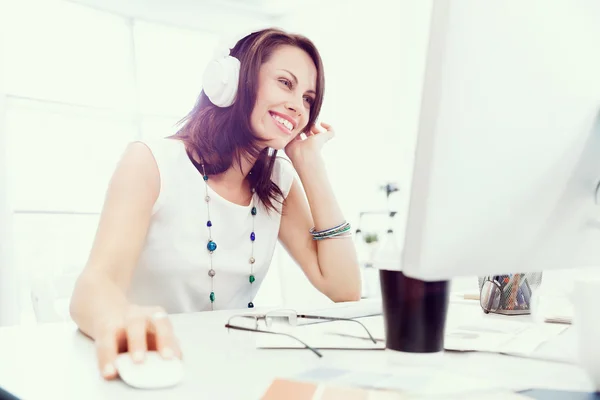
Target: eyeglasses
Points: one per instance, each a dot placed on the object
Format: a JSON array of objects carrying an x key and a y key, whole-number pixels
[{"x": 287, "y": 318}]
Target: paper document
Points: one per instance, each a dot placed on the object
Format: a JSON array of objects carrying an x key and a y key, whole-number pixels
[
  {"x": 500, "y": 336},
  {"x": 473, "y": 331}
]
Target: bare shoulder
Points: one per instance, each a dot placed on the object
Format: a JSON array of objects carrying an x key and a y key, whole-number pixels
[
  {"x": 139, "y": 156},
  {"x": 138, "y": 161},
  {"x": 137, "y": 170}
]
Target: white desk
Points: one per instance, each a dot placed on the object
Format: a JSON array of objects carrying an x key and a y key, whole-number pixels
[{"x": 56, "y": 361}]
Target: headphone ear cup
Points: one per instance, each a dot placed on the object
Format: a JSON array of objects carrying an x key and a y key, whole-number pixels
[{"x": 220, "y": 81}]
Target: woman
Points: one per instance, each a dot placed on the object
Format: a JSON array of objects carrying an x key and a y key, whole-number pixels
[{"x": 190, "y": 222}]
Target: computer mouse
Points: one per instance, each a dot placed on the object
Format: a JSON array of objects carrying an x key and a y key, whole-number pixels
[{"x": 155, "y": 372}]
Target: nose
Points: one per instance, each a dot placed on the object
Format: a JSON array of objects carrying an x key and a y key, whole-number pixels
[{"x": 292, "y": 106}]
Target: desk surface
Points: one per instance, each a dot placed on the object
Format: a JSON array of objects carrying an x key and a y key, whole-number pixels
[{"x": 56, "y": 360}]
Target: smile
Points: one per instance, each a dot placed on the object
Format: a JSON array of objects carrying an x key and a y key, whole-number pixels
[{"x": 283, "y": 123}]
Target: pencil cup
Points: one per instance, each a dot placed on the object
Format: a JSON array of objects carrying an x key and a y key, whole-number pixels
[{"x": 509, "y": 294}]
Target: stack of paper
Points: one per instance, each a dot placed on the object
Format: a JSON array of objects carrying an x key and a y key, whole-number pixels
[
  {"x": 472, "y": 332},
  {"x": 500, "y": 336}
]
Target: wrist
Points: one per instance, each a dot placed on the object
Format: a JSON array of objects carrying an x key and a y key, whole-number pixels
[{"x": 306, "y": 160}]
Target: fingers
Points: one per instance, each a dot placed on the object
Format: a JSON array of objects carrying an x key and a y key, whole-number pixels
[
  {"x": 136, "y": 335},
  {"x": 166, "y": 344},
  {"x": 327, "y": 134},
  {"x": 326, "y": 126},
  {"x": 314, "y": 130},
  {"x": 141, "y": 329},
  {"x": 106, "y": 352},
  {"x": 329, "y": 131}
]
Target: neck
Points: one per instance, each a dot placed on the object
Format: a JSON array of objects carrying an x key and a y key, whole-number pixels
[{"x": 236, "y": 175}]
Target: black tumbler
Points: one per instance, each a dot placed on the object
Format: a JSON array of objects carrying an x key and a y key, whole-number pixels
[{"x": 414, "y": 312}]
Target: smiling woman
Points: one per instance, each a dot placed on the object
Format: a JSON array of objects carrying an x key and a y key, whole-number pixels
[
  {"x": 190, "y": 221},
  {"x": 283, "y": 77}
]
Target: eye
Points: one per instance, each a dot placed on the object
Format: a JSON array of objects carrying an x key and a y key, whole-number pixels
[
  {"x": 309, "y": 100},
  {"x": 286, "y": 82}
]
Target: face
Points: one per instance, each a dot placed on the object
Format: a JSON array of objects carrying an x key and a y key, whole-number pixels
[{"x": 286, "y": 92}]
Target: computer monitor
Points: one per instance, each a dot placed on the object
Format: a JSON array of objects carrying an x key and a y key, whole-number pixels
[{"x": 507, "y": 162}]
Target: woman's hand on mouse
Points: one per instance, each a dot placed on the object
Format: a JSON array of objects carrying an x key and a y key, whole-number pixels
[{"x": 137, "y": 330}]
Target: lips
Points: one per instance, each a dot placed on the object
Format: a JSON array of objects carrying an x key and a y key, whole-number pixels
[{"x": 283, "y": 121}]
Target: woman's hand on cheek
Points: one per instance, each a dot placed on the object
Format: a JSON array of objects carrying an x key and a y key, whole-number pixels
[{"x": 315, "y": 138}]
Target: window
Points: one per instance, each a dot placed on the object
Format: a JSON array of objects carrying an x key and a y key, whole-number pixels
[
  {"x": 67, "y": 53},
  {"x": 79, "y": 85},
  {"x": 52, "y": 243},
  {"x": 169, "y": 63},
  {"x": 61, "y": 158}
]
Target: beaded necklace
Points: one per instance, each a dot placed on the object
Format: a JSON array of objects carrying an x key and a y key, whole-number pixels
[{"x": 211, "y": 246}]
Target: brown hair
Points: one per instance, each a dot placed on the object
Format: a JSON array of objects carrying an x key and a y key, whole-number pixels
[{"x": 221, "y": 136}]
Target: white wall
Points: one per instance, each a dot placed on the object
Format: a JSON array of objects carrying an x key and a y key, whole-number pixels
[{"x": 374, "y": 62}]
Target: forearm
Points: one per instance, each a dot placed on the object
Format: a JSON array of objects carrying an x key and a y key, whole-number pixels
[
  {"x": 95, "y": 299},
  {"x": 336, "y": 257}
]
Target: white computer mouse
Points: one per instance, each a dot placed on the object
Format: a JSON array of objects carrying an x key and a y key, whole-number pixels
[{"x": 155, "y": 372}]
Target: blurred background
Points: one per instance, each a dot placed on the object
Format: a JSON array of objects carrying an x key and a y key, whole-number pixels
[{"x": 80, "y": 79}]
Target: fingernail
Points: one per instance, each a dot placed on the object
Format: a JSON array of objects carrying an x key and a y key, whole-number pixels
[
  {"x": 138, "y": 356},
  {"x": 109, "y": 370},
  {"x": 166, "y": 352}
]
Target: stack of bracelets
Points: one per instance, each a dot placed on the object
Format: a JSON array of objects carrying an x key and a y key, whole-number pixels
[{"x": 340, "y": 231}]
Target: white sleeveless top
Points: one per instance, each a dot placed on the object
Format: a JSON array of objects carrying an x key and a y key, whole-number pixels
[{"x": 172, "y": 271}]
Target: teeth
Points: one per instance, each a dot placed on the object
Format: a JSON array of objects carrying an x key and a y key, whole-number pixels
[{"x": 283, "y": 122}]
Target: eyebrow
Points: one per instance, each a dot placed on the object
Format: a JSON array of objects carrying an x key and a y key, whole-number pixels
[{"x": 296, "y": 81}]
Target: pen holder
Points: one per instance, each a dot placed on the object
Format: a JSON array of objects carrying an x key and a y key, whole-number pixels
[{"x": 508, "y": 294}]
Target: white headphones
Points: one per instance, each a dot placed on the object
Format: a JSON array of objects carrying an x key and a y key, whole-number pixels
[{"x": 221, "y": 76}]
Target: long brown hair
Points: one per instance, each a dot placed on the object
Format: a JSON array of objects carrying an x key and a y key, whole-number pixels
[{"x": 221, "y": 136}]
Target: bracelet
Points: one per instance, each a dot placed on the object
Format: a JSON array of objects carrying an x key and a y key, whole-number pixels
[
  {"x": 331, "y": 231},
  {"x": 312, "y": 230},
  {"x": 339, "y": 230},
  {"x": 342, "y": 236}
]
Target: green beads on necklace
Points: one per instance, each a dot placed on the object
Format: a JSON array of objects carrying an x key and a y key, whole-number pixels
[
  {"x": 212, "y": 297},
  {"x": 252, "y": 279}
]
